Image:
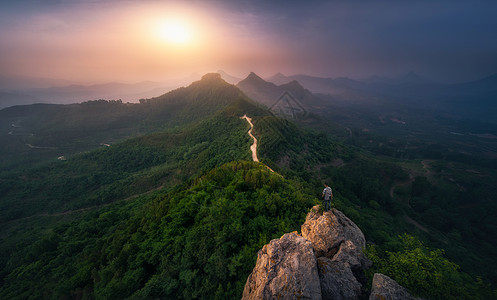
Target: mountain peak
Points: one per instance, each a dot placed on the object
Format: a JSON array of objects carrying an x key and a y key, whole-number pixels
[
  {"x": 278, "y": 78},
  {"x": 212, "y": 77},
  {"x": 252, "y": 75},
  {"x": 255, "y": 80},
  {"x": 278, "y": 75},
  {"x": 294, "y": 84}
]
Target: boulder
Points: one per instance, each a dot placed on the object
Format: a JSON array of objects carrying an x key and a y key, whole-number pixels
[
  {"x": 337, "y": 280},
  {"x": 286, "y": 268},
  {"x": 384, "y": 287},
  {"x": 335, "y": 237}
]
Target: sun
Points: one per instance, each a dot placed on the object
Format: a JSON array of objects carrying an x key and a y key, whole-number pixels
[{"x": 174, "y": 31}]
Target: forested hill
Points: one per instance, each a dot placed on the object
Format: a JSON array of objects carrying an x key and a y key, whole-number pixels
[
  {"x": 199, "y": 100},
  {"x": 62, "y": 130}
]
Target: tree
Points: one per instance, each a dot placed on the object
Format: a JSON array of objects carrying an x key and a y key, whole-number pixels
[{"x": 425, "y": 272}]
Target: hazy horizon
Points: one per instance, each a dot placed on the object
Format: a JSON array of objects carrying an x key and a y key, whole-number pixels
[{"x": 132, "y": 41}]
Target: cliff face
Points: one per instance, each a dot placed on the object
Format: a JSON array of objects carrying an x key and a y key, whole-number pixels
[
  {"x": 285, "y": 269},
  {"x": 337, "y": 244},
  {"x": 326, "y": 262}
]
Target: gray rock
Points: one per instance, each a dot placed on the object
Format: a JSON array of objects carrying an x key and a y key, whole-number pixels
[
  {"x": 332, "y": 233},
  {"x": 348, "y": 253},
  {"x": 337, "y": 280},
  {"x": 385, "y": 288},
  {"x": 286, "y": 268}
]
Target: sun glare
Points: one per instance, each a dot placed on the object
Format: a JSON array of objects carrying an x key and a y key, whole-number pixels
[{"x": 175, "y": 32}]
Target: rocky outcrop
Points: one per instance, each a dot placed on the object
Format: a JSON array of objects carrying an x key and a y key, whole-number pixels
[
  {"x": 326, "y": 262},
  {"x": 338, "y": 244},
  {"x": 286, "y": 269},
  {"x": 336, "y": 237},
  {"x": 384, "y": 287}
]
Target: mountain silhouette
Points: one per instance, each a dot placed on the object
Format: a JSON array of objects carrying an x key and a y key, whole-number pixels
[
  {"x": 290, "y": 99},
  {"x": 228, "y": 77}
]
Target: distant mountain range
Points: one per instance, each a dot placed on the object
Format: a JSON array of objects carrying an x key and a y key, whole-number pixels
[
  {"x": 376, "y": 83},
  {"x": 32, "y": 90},
  {"x": 15, "y": 82},
  {"x": 473, "y": 99},
  {"x": 290, "y": 99},
  {"x": 108, "y": 91},
  {"x": 10, "y": 99}
]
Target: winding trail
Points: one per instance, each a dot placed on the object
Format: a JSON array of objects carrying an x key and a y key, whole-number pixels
[{"x": 253, "y": 147}]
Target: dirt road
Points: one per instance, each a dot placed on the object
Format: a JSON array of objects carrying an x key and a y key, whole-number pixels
[{"x": 253, "y": 147}]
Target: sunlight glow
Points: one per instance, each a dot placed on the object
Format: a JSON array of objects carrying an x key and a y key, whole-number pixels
[{"x": 174, "y": 31}]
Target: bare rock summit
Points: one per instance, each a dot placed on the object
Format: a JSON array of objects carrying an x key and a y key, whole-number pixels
[{"x": 335, "y": 237}]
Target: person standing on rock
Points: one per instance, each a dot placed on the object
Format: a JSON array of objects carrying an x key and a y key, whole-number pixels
[{"x": 327, "y": 196}]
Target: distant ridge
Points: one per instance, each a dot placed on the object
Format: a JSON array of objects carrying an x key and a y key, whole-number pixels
[
  {"x": 295, "y": 88},
  {"x": 410, "y": 78},
  {"x": 228, "y": 77},
  {"x": 259, "y": 90},
  {"x": 10, "y": 99},
  {"x": 256, "y": 80},
  {"x": 289, "y": 100},
  {"x": 278, "y": 78},
  {"x": 488, "y": 83},
  {"x": 319, "y": 84}
]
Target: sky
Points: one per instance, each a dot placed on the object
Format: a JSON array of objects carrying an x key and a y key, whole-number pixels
[{"x": 135, "y": 40}]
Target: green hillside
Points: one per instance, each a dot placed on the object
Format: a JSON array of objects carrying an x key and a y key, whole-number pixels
[
  {"x": 34, "y": 133},
  {"x": 124, "y": 169},
  {"x": 198, "y": 240}
]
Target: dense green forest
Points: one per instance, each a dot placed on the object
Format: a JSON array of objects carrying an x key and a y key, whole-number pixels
[
  {"x": 193, "y": 241},
  {"x": 131, "y": 167},
  {"x": 172, "y": 209}
]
